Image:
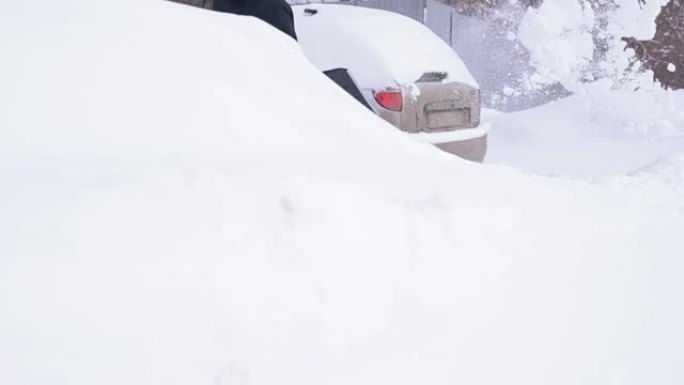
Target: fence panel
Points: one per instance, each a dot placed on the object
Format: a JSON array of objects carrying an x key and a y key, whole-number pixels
[
  {"x": 412, "y": 8},
  {"x": 438, "y": 17}
]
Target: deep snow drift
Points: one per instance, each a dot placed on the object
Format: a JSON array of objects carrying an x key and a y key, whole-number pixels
[{"x": 185, "y": 200}]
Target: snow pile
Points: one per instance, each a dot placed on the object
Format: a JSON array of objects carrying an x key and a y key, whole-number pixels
[
  {"x": 116, "y": 85},
  {"x": 185, "y": 200},
  {"x": 380, "y": 48},
  {"x": 649, "y": 112}
]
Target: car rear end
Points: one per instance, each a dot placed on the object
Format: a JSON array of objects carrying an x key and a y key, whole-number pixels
[
  {"x": 408, "y": 75},
  {"x": 431, "y": 106}
]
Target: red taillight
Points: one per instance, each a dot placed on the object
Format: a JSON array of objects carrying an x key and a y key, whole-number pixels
[{"x": 390, "y": 99}]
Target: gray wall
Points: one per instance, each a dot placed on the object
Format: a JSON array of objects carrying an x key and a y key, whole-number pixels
[
  {"x": 439, "y": 18},
  {"x": 411, "y": 8}
]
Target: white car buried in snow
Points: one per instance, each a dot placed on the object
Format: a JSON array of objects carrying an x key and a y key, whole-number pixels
[{"x": 407, "y": 74}]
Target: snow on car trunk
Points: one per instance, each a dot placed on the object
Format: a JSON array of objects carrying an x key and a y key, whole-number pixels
[{"x": 185, "y": 200}]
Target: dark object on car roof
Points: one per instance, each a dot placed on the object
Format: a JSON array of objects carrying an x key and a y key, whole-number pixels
[
  {"x": 431, "y": 77},
  {"x": 277, "y": 13},
  {"x": 208, "y": 4},
  {"x": 343, "y": 79}
]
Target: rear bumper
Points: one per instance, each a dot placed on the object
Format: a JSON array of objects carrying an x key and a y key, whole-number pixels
[
  {"x": 473, "y": 149},
  {"x": 459, "y": 135},
  {"x": 467, "y": 143}
]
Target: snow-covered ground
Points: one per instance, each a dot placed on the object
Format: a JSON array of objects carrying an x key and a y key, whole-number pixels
[
  {"x": 186, "y": 200},
  {"x": 597, "y": 134}
]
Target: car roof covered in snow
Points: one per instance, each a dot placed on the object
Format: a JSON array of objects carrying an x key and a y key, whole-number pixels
[{"x": 380, "y": 48}]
